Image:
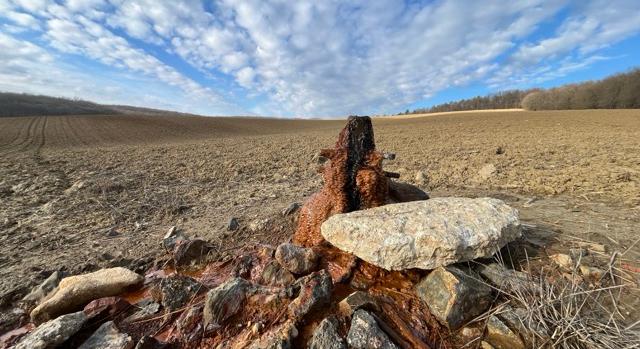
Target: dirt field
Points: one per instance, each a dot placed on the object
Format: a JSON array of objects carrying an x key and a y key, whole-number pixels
[{"x": 78, "y": 193}]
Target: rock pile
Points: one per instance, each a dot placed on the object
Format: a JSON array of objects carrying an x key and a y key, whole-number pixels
[{"x": 359, "y": 274}]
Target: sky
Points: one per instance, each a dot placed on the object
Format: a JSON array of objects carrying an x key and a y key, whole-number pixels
[{"x": 308, "y": 58}]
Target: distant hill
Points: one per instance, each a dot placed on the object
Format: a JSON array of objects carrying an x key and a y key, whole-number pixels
[
  {"x": 619, "y": 91},
  {"x": 22, "y": 104}
]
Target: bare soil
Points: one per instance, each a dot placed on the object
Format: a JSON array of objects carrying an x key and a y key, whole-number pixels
[{"x": 82, "y": 192}]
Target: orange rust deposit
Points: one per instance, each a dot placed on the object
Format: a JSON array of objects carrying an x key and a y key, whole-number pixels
[{"x": 353, "y": 180}]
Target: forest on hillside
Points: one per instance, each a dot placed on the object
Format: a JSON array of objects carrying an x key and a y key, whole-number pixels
[{"x": 619, "y": 91}]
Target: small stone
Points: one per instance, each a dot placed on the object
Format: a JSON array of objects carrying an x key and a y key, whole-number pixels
[
  {"x": 365, "y": 333},
  {"x": 532, "y": 333},
  {"x": 315, "y": 292},
  {"x": 147, "y": 308},
  {"x": 453, "y": 297},
  {"x": 176, "y": 291},
  {"x": 189, "y": 252},
  {"x": 485, "y": 345},
  {"x": 74, "y": 292},
  {"x": 499, "y": 150},
  {"x": 233, "y": 224},
  {"x": 591, "y": 273},
  {"x": 105, "y": 307},
  {"x": 108, "y": 336},
  {"x": 486, "y": 172},
  {"x": 326, "y": 335},
  {"x": 421, "y": 178},
  {"x": 172, "y": 237},
  {"x": 357, "y": 300},
  {"x": 54, "y": 332},
  {"x": 500, "y": 336},
  {"x": 405, "y": 192},
  {"x": 296, "y": 259},
  {"x": 424, "y": 234},
  {"x": 258, "y": 225},
  {"x": 42, "y": 290},
  {"x": 470, "y": 334},
  {"x": 275, "y": 275},
  {"x": 291, "y": 209},
  {"x": 564, "y": 261},
  {"x": 225, "y": 301},
  {"x": 504, "y": 278}
]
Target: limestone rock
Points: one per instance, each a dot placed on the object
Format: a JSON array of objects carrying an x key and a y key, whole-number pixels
[
  {"x": 425, "y": 234},
  {"x": 296, "y": 259},
  {"x": 453, "y": 296},
  {"x": 53, "y": 333},
  {"x": 225, "y": 301},
  {"x": 366, "y": 334},
  {"x": 75, "y": 292},
  {"x": 500, "y": 336},
  {"x": 326, "y": 336},
  {"x": 108, "y": 336}
]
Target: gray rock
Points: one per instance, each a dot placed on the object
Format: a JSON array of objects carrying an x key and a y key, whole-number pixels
[
  {"x": 453, "y": 297},
  {"x": 275, "y": 275},
  {"x": 291, "y": 209},
  {"x": 296, "y": 259},
  {"x": 225, "y": 301},
  {"x": 366, "y": 334},
  {"x": 175, "y": 291},
  {"x": 74, "y": 292},
  {"x": 53, "y": 333},
  {"x": 357, "y": 300},
  {"x": 534, "y": 335},
  {"x": 233, "y": 224},
  {"x": 503, "y": 278},
  {"x": 189, "y": 252},
  {"x": 326, "y": 336},
  {"x": 146, "y": 309},
  {"x": 315, "y": 292},
  {"x": 42, "y": 290},
  {"x": 424, "y": 234},
  {"x": 172, "y": 237},
  {"x": 108, "y": 336},
  {"x": 500, "y": 336},
  {"x": 405, "y": 192}
]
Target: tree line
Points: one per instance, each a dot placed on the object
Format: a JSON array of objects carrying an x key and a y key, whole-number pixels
[{"x": 619, "y": 91}]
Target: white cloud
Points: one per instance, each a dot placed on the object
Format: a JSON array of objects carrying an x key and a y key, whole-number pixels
[{"x": 332, "y": 57}]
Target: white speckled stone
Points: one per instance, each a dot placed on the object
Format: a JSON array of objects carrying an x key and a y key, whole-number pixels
[{"x": 425, "y": 234}]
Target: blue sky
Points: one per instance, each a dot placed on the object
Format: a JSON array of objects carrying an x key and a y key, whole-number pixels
[{"x": 307, "y": 58}]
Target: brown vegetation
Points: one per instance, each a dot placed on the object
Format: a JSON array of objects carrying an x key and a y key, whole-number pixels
[{"x": 621, "y": 91}]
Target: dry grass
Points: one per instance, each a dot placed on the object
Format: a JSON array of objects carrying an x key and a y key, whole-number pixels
[{"x": 567, "y": 311}]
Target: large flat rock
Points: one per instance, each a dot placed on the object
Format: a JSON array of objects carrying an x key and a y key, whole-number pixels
[{"x": 425, "y": 234}]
